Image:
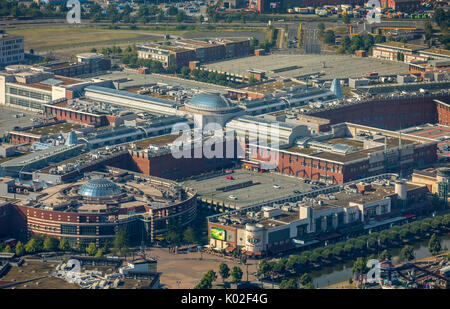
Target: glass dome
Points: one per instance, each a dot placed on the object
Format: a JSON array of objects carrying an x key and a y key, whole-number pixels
[
  {"x": 99, "y": 188},
  {"x": 209, "y": 100}
]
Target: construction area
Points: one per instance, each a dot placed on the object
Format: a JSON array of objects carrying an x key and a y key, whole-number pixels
[
  {"x": 433, "y": 273},
  {"x": 78, "y": 273}
]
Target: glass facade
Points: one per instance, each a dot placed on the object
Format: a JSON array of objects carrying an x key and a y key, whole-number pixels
[
  {"x": 99, "y": 188},
  {"x": 26, "y": 97}
]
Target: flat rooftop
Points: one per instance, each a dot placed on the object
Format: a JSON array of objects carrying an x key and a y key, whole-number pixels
[
  {"x": 336, "y": 66},
  {"x": 344, "y": 198},
  {"x": 261, "y": 191},
  {"x": 360, "y": 153},
  {"x": 437, "y": 51},
  {"x": 165, "y": 47},
  {"x": 431, "y": 131},
  {"x": 140, "y": 80},
  {"x": 402, "y": 45},
  {"x": 53, "y": 129},
  {"x": 158, "y": 140},
  {"x": 271, "y": 87},
  {"x": 10, "y": 118}
]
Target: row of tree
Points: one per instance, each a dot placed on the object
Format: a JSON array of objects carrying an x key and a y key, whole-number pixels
[
  {"x": 365, "y": 244},
  {"x": 15, "y": 9},
  {"x": 406, "y": 254},
  {"x": 48, "y": 244},
  {"x": 210, "y": 276},
  {"x": 359, "y": 42},
  {"x": 208, "y": 77}
]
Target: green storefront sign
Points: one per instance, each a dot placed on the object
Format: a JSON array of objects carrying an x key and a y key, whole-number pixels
[{"x": 218, "y": 233}]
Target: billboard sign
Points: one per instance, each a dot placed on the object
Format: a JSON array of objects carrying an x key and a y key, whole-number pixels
[{"x": 218, "y": 233}]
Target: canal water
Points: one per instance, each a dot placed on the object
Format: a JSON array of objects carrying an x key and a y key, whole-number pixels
[{"x": 343, "y": 272}]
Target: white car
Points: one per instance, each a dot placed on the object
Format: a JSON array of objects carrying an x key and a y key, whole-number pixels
[
  {"x": 276, "y": 186},
  {"x": 233, "y": 197}
]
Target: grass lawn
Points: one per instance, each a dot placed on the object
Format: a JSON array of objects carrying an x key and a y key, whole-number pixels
[
  {"x": 42, "y": 39},
  {"x": 74, "y": 39}
]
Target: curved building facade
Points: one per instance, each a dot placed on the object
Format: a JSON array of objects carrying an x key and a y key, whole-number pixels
[{"x": 93, "y": 210}]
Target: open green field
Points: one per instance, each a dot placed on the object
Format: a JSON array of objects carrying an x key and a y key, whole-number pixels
[
  {"x": 68, "y": 37},
  {"x": 73, "y": 39}
]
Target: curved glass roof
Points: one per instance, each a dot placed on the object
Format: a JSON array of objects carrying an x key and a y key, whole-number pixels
[
  {"x": 99, "y": 188},
  {"x": 209, "y": 100}
]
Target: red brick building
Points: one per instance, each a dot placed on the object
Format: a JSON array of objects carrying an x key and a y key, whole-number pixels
[
  {"x": 391, "y": 114},
  {"x": 163, "y": 164},
  {"x": 333, "y": 167},
  {"x": 61, "y": 112},
  {"x": 443, "y": 112}
]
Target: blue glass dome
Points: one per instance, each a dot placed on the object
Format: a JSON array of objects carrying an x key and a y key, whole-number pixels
[
  {"x": 209, "y": 100},
  {"x": 99, "y": 188}
]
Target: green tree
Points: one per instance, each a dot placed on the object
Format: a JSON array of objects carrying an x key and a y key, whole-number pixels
[
  {"x": 20, "y": 250},
  {"x": 385, "y": 255},
  {"x": 407, "y": 253},
  {"x": 80, "y": 246},
  {"x": 434, "y": 245},
  {"x": 207, "y": 279},
  {"x": 288, "y": 284},
  {"x": 99, "y": 253},
  {"x": 305, "y": 279},
  {"x": 172, "y": 11},
  {"x": 50, "y": 244},
  {"x": 91, "y": 249},
  {"x": 126, "y": 10},
  {"x": 7, "y": 249},
  {"x": 224, "y": 271},
  {"x": 428, "y": 31},
  {"x": 346, "y": 18},
  {"x": 379, "y": 39},
  {"x": 64, "y": 245},
  {"x": 32, "y": 246},
  {"x": 330, "y": 37},
  {"x": 368, "y": 41},
  {"x": 189, "y": 235},
  {"x": 295, "y": 263},
  {"x": 359, "y": 266},
  {"x": 105, "y": 248},
  {"x": 321, "y": 29},
  {"x": 121, "y": 241},
  {"x": 252, "y": 79},
  {"x": 111, "y": 13},
  {"x": 181, "y": 16},
  {"x": 160, "y": 17},
  {"x": 236, "y": 274},
  {"x": 185, "y": 71},
  {"x": 264, "y": 268}
]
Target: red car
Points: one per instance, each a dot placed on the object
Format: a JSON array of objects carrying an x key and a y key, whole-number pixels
[{"x": 230, "y": 177}]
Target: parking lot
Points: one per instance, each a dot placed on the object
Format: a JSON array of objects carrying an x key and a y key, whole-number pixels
[
  {"x": 8, "y": 119},
  {"x": 265, "y": 187},
  {"x": 138, "y": 80},
  {"x": 333, "y": 66},
  {"x": 436, "y": 132}
]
